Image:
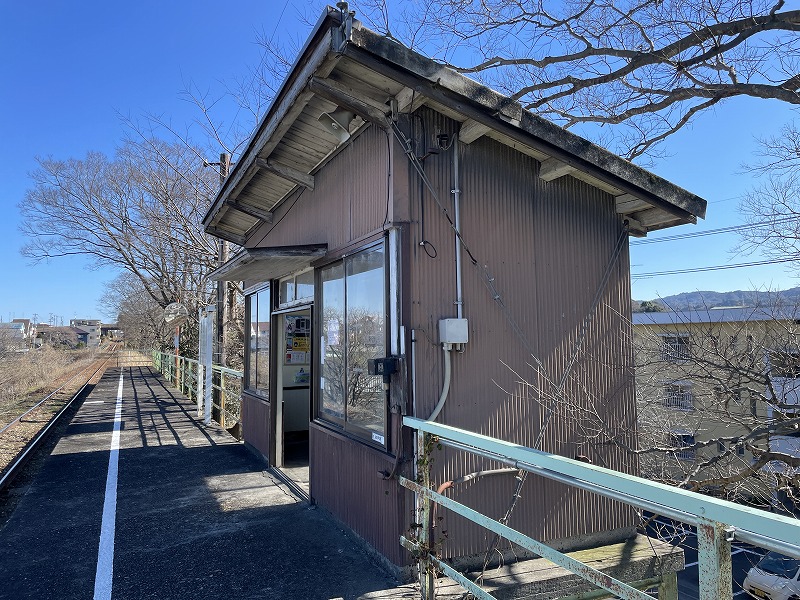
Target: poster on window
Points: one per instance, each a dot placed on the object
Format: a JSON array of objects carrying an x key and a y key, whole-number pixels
[{"x": 298, "y": 340}]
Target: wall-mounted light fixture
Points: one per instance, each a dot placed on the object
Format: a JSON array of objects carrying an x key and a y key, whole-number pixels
[{"x": 338, "y": 123}]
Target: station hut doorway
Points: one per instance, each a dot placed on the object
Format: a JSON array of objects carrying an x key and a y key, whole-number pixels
[{"x": 293, "y": 389}]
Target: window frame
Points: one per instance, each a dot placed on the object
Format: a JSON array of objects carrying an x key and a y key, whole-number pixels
[
  {"x": 681, "y": 439},
  {"x": 295, "y": 301},
  {"x": 677, "y": 352},
  {"x": 345, "y": 426},
  {"x": 680, "y": 404},
  {"x": 250, "y": 293}
]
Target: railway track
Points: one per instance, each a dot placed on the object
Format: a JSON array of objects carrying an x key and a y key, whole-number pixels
[{"x": 23, "y": 436}]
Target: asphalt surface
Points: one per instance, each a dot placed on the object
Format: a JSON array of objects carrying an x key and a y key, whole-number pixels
[{"x": 196, "y": 514}]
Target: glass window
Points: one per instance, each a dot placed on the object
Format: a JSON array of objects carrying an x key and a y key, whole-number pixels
[
  {"x": 677, "y": 395},
  {"x": 259, "y": 308},
  {"x": 684, "y": 445},
  {"x": 287, "y": 290},
  {"x": 675, "y": 348},
  {"x": 353, "y": 301},
  {"x": 304, "y": 284},
  {"x": 365, "y": 290},
  {"x": 332, "y": 346}
]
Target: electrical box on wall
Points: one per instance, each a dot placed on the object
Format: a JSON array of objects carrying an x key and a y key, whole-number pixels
[
  {"x": 453, "y": 331},
  {"x": 382, "y": 366}
]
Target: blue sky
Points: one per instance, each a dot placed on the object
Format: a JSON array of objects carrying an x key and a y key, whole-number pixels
[{"x": 71, "y": 69}]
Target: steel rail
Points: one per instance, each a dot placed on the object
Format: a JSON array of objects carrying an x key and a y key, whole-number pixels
[
  {"x": 46, "y": 398},
  {"x": 12, "y": 470}
]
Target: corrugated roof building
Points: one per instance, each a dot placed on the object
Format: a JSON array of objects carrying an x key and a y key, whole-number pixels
[{"x": 383, "y": 194}]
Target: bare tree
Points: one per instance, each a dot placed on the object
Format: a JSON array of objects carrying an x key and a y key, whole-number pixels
[
  {"x": 140, "y": 211},
  {"x": 137, "y": 314},
  {"x": 718, "y": 403},
  {"x": 772, "y": 208},
  {"x": 646, "y": 66}
]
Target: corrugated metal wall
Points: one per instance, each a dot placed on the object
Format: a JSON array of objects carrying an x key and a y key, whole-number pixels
[
  {"x": 348, "y": 200},
  {"x": 255, "y": 423},
  {"x": 345, "y": 480},
  {"x": 545, "y": 246}
]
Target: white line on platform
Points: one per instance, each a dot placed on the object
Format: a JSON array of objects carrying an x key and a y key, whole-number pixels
[
  {"x": 105, "y": 555},
  {"x": 94, "y": 402}
]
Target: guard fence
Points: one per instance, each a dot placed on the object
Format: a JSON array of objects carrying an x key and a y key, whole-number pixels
[
  {"x": 226, "y": 387},
  {"x": 721, "y": 528}
]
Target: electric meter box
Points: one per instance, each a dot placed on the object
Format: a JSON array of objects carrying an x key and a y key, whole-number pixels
[{"x": 453, "y": 331}]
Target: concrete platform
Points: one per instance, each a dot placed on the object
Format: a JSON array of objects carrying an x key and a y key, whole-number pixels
[{"x": 196, "y": 514}]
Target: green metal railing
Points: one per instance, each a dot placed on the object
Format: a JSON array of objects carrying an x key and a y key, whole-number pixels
[
  {"x": 718, "y": 522},
  {"x": 183, "y": 373}
]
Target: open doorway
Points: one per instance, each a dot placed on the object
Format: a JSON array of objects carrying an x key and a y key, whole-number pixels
[{"x": 294, "y": 395}]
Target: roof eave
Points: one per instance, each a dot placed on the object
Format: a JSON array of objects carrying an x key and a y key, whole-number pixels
[{"x": 649, "y": 202}]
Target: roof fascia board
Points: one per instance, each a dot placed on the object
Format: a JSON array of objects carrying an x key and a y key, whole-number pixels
[
  {"x": 483, "y": 105},
  {"x": 247, "y": 258},
  {"x": 288, "y": 102}
]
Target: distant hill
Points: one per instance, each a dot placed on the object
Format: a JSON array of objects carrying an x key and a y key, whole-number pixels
[{"x": 705, "y": 300}]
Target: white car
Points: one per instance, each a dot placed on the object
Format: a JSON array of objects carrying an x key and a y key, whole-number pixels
[{"x": 775, "y": 577}]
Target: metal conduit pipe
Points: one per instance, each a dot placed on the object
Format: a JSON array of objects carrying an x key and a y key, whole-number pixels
[
  {"x": 447, "y": 348},
  {"x": 446, "y": 385},
  {"x": 456, "y": 191},
  {"x": 466, "y": 478}
]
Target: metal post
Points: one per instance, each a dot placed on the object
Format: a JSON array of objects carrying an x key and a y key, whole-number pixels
[
  {"x": 222, "y": 312},
  {"x": 200, "y": 394},
  {"x": 205, "y": 363},
  {"x": 714, "y": 558},
  {"x": 424, "y": 508},
  {"x": 177, "y": 354},
  {"x": 222, "y": 399},
  {"x": 222, "y": 286},
  {"x": 668, "y": 589}
]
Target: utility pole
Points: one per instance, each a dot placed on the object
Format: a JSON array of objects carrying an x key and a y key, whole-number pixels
[
  {"x": 223, "y": 311},
  {"x": 223, "y": 314}
]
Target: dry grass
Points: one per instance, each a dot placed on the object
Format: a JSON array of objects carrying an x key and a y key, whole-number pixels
[{"x": 27, "y": 378}]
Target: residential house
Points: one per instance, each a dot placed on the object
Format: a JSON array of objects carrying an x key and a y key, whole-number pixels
[
  {"x": 719, "y": 392},
  {"x": 68, "y": 337},
  {"x": 93, "y": 329},
  {"x": 14, "y": 336},
  {"x": 28, "y": 329},
  {"x": 394, "y": 215}
]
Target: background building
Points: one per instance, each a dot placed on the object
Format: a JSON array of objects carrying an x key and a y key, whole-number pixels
[{"x": 718, "y": 400}]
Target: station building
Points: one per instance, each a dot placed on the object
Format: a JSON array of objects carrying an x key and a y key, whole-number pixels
[{"x": 390, "y": 208}]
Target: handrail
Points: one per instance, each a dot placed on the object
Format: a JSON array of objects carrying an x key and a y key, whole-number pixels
[
  {"x": 183, "y": 373},
  {"x": 720, "y": 520},
  {"x": 753, "y": 525}
]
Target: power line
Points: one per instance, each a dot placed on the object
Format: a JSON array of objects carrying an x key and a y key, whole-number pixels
[
  {"x": 695, "y": 234},
  {"x": 711, "y": 268}
]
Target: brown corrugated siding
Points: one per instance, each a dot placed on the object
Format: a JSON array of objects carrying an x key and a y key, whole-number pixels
[
  {"x": 348, "y": 200},
  {"x": 546, "y": 245},
  {"x": 345, "y": 480},
  {"x": 255, "y": 423}
]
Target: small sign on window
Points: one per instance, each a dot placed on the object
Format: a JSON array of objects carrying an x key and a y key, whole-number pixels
[{"x": 376, "y": 437}]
